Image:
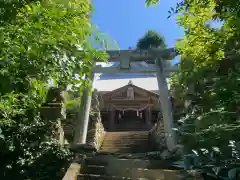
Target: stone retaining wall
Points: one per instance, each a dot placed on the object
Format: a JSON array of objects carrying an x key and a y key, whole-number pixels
[
  {"x": 53, "y": 110},
  {"x": 96, "y": 131},
  {"x": 158, "y": 141},
  {"x": 157, "y": 137}
]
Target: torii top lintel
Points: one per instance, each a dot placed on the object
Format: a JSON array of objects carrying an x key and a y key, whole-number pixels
[{"x": 142, "y": 55}]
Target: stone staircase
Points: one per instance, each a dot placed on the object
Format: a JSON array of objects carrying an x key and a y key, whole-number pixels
[
  {"x": 126, "y": 142},
  {"x": 113, "y": 167},
  {"x": 123, "y": 155}
]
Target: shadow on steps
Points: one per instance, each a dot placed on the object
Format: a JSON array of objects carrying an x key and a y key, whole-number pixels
[
  {"x": 113, "y": 166},
  {"x": 125, "y": 155}
]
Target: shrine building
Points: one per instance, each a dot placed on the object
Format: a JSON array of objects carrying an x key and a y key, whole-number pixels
[{"x": 128, "y": 101}]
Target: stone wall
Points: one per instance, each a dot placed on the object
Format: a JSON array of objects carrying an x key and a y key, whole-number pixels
[
  {"x": 157, "y": 136},
  {"x": 158, "y": 141},
  {"x": 68, "y": 125},
  {"x": 54, "y": 110},
  {"x": 96, "y": 131}
]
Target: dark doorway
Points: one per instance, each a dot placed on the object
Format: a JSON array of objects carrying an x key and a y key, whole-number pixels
[
  {"x": 130, "y": 115},
  {"x": 130, "y": 121}
]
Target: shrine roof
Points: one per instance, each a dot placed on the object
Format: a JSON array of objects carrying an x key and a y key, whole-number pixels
[
  {"x": 106, "y": 83},
  {"x": 149, "y": 83}
]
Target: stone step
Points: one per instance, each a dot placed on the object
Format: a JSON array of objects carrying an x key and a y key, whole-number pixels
[
  {"x": 122, "y": 145},
  {"x": 147, "y": 173},
  {"x": 122, "y": 151},
  {"x": 96, "y": 161},
  {"x": 122, "y": 148},
  {"x": 130, "y": 143},
  {"x": 131, "y": 149},
  {"x": 107, "y": 155},
  {"x": 135, "y": 173},
  {"x": 129, "y": 132},
  {"x": 100, "y": 177},
  {"x": 119, "y": 139},
  {"x": 108, "y": 137},
  {"x": 94, "y": 169},
  {"x": 115, "y": 166},
  {"x": 127, "y": 141},
  {"x": 126, "y": 135},
  {"x": 126, "y": 138},
  {"x": 129, "y": 163},
  {"x": 132, "y": 146}
]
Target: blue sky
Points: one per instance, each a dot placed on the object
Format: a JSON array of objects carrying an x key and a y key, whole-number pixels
[{"x": 125, "y": 21}]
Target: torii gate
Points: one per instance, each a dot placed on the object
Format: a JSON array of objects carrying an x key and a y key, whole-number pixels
[{"x": 126, "y": 57}]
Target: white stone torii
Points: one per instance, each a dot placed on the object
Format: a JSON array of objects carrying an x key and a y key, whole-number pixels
[{"x": 126, "y": 57}]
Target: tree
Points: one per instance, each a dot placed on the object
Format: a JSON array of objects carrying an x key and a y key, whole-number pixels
[
  {"x": 209, "y": 79},
  {"x": 210, "y": 125},
  {"x": 151, "y": 39},
  {"x": 40, "y": 41}
]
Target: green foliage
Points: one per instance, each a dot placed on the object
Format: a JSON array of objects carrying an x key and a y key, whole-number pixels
[
  {"x": 39, "y": 40},
  {"x": 206, "y": 89},
  {"x": 209, "y": 80},
  {"x": 212, "y": 164},
  {"x": 73, "y": 105},
  {"x": 150, "y": 2},
  {"x": 72, "y": 102},
  {"x": 27, "y": 146},
  {"x": 151, "y": 39}
]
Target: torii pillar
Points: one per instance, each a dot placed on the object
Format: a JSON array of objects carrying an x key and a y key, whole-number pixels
[
  {"x": 166, "y": 105},
  {"x": 81, "y": 128}
]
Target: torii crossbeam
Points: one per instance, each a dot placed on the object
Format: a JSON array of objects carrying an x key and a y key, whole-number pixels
[{"x": 125, "y": 57}]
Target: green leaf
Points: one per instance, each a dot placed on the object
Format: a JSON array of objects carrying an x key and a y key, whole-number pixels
[{"x": 234, "y": 173}]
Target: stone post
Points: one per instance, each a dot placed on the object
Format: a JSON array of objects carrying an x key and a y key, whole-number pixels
[
  {"x": 166, "y": 106},
  {"x": 83, "y": 117},
  {"x": 54, "y": 110}
]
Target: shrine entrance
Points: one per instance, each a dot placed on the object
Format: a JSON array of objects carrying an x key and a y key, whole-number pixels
[
  {"x": 130, "y": 120},
  {"x": 157, "y": 57}
]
